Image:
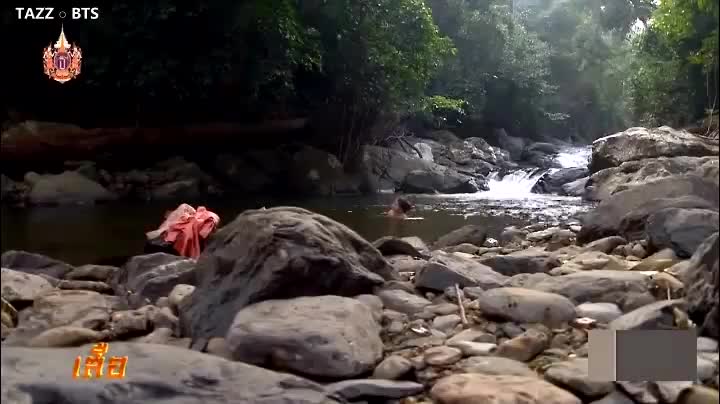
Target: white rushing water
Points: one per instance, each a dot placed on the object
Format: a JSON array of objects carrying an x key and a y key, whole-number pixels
[{"x": 519, "y": 183}]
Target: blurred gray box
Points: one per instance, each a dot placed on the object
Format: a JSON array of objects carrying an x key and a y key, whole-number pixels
[
  {"x": 601, "y": 355},
  {"x": 656, "y": 355}
]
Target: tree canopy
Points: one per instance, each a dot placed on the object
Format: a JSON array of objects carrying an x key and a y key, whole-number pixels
[{"x": 574, "y": 69}]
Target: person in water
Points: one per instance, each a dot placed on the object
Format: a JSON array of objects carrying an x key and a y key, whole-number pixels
[{"x": 399, "y": 208}]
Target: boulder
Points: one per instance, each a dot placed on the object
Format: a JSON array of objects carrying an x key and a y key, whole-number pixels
[
  {"x": 154, "y": 373},
  {"x": 438, "y": 180},
  {"x": 471, "y": 234},
  {"x": 380, "y": 168},
  {"x": 374, "y": 389},
  {"x": 445, "y": 270},
  {"x": 654, "y": 316},
  {"x": 69, "y": 187},
  {"x": 402, "y": 301},
  {"x": 394, "y": 246},
  {"x": 606, "y": 218},
  {"x": 510, "y": 265},
  {"x": 552, "y": 181},
  {"x": 599, "y": 286},
  {"x": 574, "y": 375},
  {"x": 701, "y": 287},
  {"x": 35, "y": 264},
  {"x": 526, "y": 306},
  {"x": 322, "y": 336},
  {"x": 643, "y": 143},
  {"x": 683, "y": 230},
  {"x": 604, "y": 183},
  {"x": 632, "y": 225},
  {"x": 146, "y": 278},
  {"x": 315, "y": 172},
  {"x": 277, "y": 253},
  {"x": 472, "y": 388},
  {"x": 59, "y": 308},
  {"x": 242, "y": 175},
  {"x": 11, "y": 191},
  {"x": 21, "y": 289},
  {"x": 575, "y": 188}
]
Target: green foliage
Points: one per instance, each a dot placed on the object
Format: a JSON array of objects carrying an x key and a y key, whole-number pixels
[
  {"x": 666, "y": 85},
  {"x": 443, "y": 112}
]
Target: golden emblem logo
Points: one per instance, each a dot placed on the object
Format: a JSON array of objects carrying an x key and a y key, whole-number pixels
[{"x": 62, "y": 60}]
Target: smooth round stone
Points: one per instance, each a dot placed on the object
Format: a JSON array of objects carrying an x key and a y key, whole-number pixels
[
  {"x": 705, "y": 369},
  {"x": 470, "y": 348},
  {"x": 393, "y": 367},
  {"x": 442, "y": 356},
  {"x": 705, "y": 344},
  {"x": 446, "y": 323},
  {"x": 602, "y": 312}
]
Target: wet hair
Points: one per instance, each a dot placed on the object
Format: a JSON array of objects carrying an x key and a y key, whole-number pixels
[{"x": 404, "y": 204}]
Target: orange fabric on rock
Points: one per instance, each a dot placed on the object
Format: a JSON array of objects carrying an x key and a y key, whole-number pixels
[{"x": 185, "y": 227}]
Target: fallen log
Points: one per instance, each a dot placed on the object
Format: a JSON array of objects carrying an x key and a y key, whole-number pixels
[{"x": 42, "y": 142}]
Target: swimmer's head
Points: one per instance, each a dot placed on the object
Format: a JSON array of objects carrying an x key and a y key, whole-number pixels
[{"x": 403, "y": 204}]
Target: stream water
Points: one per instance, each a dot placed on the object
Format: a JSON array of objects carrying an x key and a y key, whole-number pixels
[{"x": 89, "y": 234}]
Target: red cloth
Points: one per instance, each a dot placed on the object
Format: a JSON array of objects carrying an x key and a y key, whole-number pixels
[{"x": 185, "y": 227}]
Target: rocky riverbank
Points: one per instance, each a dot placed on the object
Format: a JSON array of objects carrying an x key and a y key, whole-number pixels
[
  {"x": 289, "y": 306},
  {"x": 286, "y": 305},
  {"x": 429, "y": 162}
]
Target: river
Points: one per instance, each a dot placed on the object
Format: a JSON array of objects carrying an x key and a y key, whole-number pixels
[{"x": 91, "y": 234}]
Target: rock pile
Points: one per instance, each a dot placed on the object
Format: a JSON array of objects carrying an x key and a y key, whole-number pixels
[{"x": 287, "y": 306}]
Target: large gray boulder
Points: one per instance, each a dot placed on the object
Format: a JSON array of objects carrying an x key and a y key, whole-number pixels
[
  {"x": 438, "y": 180},
  {"x": 278, "y": 253},
  {"x": 628, "y": 290},
  {"x": 553, "y": 181},
  {"x": 604, "y": 183},
  {"x": 605, "y": 220},
  {"x": 683, "y": 230},
  {"x": 58, "y": 308},
  {"x": 154, "y": 374},
  {"x": 633, "y": 224},
  {"x": 701, "y": 287},
  {"x": 146, "y": 278},
  {"x": 69, "y": 187},
  {"x": 321, "y": 337},
  {"x": 35, "y": 264},
  {"x": 643, "y": 143}
]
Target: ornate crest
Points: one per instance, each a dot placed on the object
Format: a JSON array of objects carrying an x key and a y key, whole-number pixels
[{"x": 62, "y": 60}]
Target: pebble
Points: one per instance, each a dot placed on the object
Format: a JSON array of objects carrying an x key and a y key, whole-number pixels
[
  {"x": 446, "y": 323},
  {"x": 470, "y": 348},
  {"x": 574, "y": 376},
  {"x": 443, "y": 308},
  {"x": 705, "y": 344},
  {"x": 602, "y": 312},
  {"x": 178, "y": 294},
  {"x": 351, "y": 390},
  {"x": 442, "y": 356},
  {"x": 402, "y": 301},
  {"x": 494, "y": 365},
  {"x": 524, "y": 347},
  {"x": 705, "y": 369},
  {"x": 473, "y": 335},
  {"x": 392, "y": 367}
]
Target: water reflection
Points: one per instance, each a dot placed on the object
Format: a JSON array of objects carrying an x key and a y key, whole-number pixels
[{"x": 85, "y": 234}]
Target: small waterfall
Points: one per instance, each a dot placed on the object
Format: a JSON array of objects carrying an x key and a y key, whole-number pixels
[
  {"x": 571, "y": 157},
  {"x": 519, "y": 183},
  {"x": 515, "y": 184}
]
